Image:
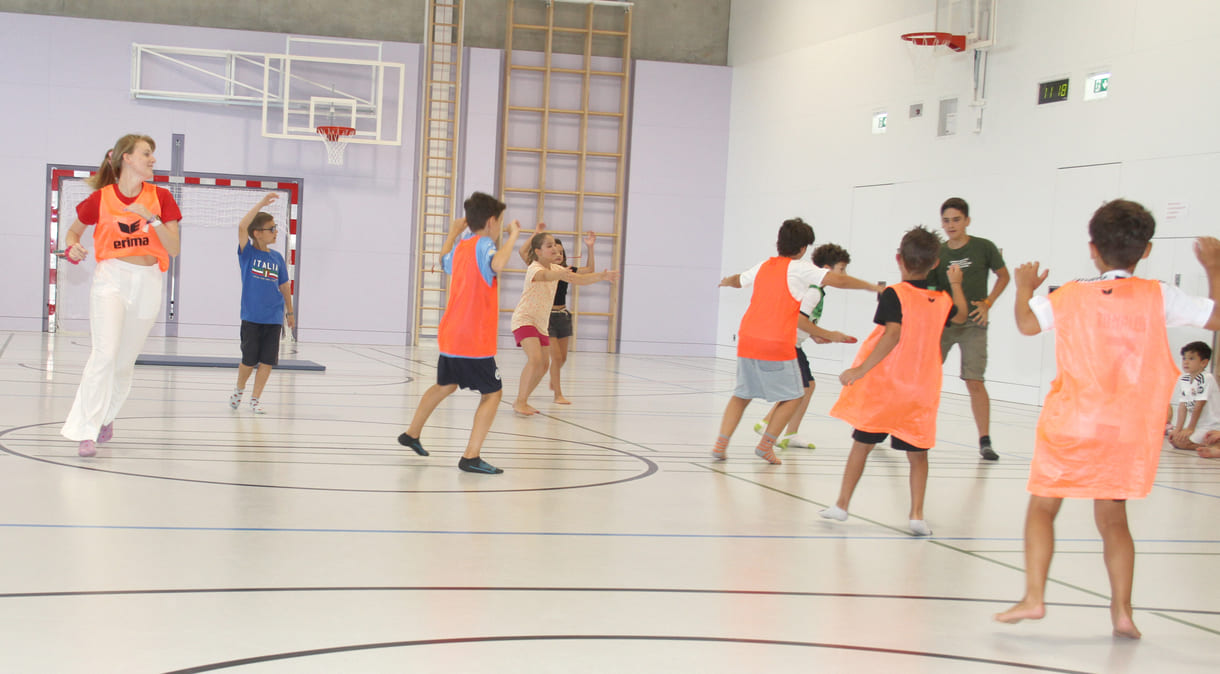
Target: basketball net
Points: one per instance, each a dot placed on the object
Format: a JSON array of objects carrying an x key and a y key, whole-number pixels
[{"x": 335, "y": 139}]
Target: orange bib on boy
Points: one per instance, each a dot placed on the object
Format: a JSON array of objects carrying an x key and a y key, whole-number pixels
[
  {"x": 121, "y": 233},
  {"x": 770, "y": 321},
  {"x": 1101, "y": 428},
  {"x": 468, "y": 327},
  {"x": 901, "y": 394}
]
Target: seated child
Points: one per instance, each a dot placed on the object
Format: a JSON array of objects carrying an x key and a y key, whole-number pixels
[{"x": 1197, "y": 399}]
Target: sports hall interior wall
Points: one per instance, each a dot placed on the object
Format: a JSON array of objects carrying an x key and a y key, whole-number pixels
[
  {"x": 357, "y": 235},
  {"x": 800, "y": 143},
  {"x": 684, "y": 31}
]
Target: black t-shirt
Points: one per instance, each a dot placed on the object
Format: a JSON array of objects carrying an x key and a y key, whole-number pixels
[
  {"x": 561, "y": 292},
  {"x": 889, "y": 308}
]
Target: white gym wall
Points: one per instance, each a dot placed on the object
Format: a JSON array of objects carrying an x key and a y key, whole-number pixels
[{"x": 808, "y": 76}]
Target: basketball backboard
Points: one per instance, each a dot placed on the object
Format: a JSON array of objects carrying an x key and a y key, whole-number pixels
[{"x": 973, "y": 18}]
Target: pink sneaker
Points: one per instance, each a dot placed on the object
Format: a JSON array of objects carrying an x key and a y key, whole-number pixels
[
  {"x": 87, "y": 448},
  {"x": 106, "y": 433}
]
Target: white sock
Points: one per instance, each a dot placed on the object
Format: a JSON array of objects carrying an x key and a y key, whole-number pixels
[
  {"x": 920, "y": 528},
  {"x": 834, "y": 512}
]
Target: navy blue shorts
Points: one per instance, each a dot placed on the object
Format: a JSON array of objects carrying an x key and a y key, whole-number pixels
[
  {"x": 475, "y": 374},
  {"x": 802, "y": 361},
  {"x": 260, "y": 343},
  {"x": 877, "y": 438}
]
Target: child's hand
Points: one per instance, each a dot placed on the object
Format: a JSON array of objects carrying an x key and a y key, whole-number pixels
[
  {"x": 610, "y": 275},
  {"x": 1207, "y": 249},
  {"x": 954, "y": 273},
  {"x": 1181, "y": 436},
  {"x": 514, "y": 228},
  {"x": 850, "y": 376},
  {"x": 590, "y": 239},
  {"x": 1027, "y": 277},
  {"x": 540, "y": 228},
  {"x": 458, "y": 226},
  {"x": 268, "y": 199},
  {"x": 840, "y": 338}
]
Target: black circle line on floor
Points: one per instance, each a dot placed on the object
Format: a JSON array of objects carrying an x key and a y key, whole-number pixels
[
  {"x": 612, "y": 637},
  {"x": 650, "y": 466},
  {"x": 590, "y": 590}
]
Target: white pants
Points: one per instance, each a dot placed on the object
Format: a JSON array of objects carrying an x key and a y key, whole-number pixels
[{"x": 123, "y": 306}]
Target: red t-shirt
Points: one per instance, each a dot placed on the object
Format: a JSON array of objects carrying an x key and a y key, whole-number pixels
[{"x": 87, "y": 210}]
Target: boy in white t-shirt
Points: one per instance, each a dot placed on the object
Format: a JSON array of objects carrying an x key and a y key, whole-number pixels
[{"x": 1196, "y": 397}]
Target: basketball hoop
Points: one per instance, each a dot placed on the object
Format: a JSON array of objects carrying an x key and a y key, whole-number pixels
[
  {"x": 335, "y": 139},
  {"x": 934, "y": 39}
]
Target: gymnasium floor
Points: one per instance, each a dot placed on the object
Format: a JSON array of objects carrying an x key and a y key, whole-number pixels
[{"x": 307, "y": 540}]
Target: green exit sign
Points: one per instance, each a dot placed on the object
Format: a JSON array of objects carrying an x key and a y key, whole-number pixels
[{"x": 1097, "y": 86}]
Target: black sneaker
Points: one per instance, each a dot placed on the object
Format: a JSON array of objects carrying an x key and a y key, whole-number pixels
[
  {"x": 478, "y": 465},
  {"x": 408, "y": 441},
  {"x": 988, "y": 453}
]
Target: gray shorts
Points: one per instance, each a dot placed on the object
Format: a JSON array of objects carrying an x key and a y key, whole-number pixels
[
  {"x": 972, "y": 338},
  {"x": 771, "y": 380}
]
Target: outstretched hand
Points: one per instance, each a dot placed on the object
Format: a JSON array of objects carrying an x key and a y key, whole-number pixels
[
  {"x": 590, "y": 239},
  {"x": 1028, "y": 279},
  {"x": 610, "y": 275},
  {"x": 1207, "y": 249}
]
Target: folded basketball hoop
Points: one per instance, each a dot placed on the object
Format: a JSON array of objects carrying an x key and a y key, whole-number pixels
[
  {"x": 335, "y": 139},
  {"x": 933, "y": 39}
]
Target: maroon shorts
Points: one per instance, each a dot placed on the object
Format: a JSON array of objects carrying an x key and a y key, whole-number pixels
[{"x": 530, "y": 331}]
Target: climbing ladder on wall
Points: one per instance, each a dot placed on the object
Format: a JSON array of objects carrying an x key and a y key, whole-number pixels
[
  {"x": 438, "y": 200},
  {"x": 583, "y": 132}
]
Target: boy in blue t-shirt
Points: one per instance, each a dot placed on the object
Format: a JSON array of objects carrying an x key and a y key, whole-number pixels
[{"x": 265, "y": 294}]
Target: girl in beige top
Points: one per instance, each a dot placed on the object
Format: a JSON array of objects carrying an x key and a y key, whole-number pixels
[{"x": 532, "y": 316}]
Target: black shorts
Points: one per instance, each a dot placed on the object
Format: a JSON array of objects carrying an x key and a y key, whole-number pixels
[
  {"x": 561, "y": 324},
  {"x": 802, "y": 361},
  {"x": 476, "y": 374},
  {"x": 876, "y": 438},
  {"x": 260, "y": 343}
]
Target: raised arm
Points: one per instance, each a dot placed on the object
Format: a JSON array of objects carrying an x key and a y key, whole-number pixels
[
  {"x": 836, "y": 280},
  {"x": 500, "y": 259},
  {"x": 959, "y": 296},
  {"x": 1027, "y": 280},
  {"x": 587, "y": 267},
  {"x": 524, "y": 251},
  {"x": 455, "y": 230},
  {"x": 1207, "y": 249},
  {"x": 243, "y": 236}
]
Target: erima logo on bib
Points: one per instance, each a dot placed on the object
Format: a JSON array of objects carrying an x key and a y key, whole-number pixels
[{"x": 131, "y": 228}]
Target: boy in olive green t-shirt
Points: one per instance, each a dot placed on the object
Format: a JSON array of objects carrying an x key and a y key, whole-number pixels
[{"x": 977, "y": 258}]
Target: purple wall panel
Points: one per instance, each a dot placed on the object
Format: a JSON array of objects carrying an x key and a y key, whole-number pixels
[{"x": 675, "y": 220}]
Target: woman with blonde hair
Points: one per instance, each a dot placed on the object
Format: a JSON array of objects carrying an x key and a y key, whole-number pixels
[{"x": 135, "y": 232}]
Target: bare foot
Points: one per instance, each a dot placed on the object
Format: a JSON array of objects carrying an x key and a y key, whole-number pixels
[
  {"x": 1209, "y": 452},
  {"x": 1024, "y": 610},
  {"x": 560, "y": 400},
  {"x": 524, "y": 409},
  {"x": 1124, "y": 626}
]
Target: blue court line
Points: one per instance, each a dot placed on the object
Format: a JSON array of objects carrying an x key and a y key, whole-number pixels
[{"x": 585, "y": 534}]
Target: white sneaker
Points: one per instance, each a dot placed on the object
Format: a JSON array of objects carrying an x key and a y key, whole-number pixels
[
  {"x": 760, "y": 427},
  {"x": 794, "y": 441},
  {"x": 256, "y": 407},
  {"x": 920, "y": 528},
  {"x": 834, "y": 512}
]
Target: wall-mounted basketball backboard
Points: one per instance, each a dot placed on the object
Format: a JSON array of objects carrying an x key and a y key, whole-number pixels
[
  {"x": 314, "y": 82},
  {"x": 973, "y": 18},
  {"x": 318, "y": 82}
]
